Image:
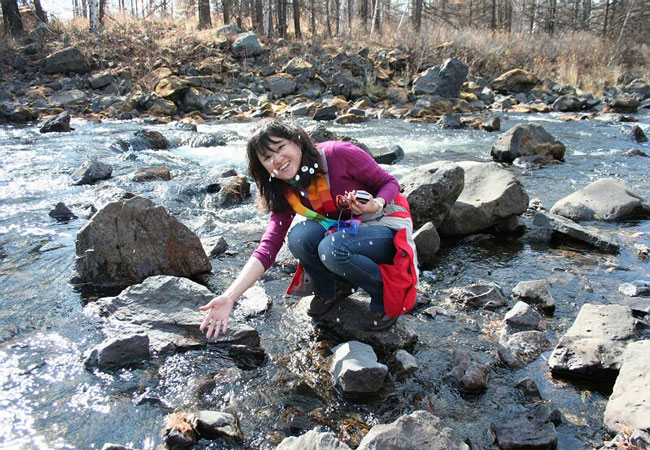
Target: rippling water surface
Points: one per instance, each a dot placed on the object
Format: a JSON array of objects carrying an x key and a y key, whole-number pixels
[{"x": 49, "y": 400}]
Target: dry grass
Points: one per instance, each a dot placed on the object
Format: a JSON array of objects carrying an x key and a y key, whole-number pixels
[{"x": 578, "y": 59}]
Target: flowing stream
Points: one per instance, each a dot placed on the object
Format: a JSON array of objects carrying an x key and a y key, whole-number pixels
[{"x": 49, "y": 400}]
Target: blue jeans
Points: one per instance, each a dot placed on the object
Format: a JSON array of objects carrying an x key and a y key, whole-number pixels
[{"x": 353, "y": 258}]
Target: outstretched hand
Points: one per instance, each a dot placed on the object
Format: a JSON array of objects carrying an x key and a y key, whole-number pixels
[{"x": 217, "y": 316}]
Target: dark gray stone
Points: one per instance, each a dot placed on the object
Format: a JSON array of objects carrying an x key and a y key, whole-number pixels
[
  {"x": 471, "y": 371},
  {"x": 91, "y": 171},
  {"x": 427, "y": 244},
  {"x": 57, "y": 124},
  {"x": 566, "y": 227},
  {"x": 65, "y": 61},
  {"x": 479, "y": 295},
  {"x": 526, "y": 140},
  {"x": 387, "y": 155},
  {"x": 246, "y": 45},
  {"x": 119, "y": 351},
  {"x": 355, "y": 369},
  {"x": 533, "y": 431},
  {"x": 445, "y": 80},
  {"x": 535, "y": 292},
  {"x": 61, "y": 213}
]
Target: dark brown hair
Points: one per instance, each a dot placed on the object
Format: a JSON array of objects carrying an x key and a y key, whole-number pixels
[{"x": 271, "y": 190}]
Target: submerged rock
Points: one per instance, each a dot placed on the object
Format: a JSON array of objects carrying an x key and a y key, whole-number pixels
[
  {"x": 629, "y": 404},
  {"x": 416, "y": 431},
  {"x": 533, "y": 431},
  {"x": 525, "y": 346},
  {"x": 491, "y": 195},
  {"x": 216, "y": 424},
  {"x": 522, "y": 318},
  {"x": 526, "y": 140},
  {"x": 130, "y": 240},
  {"x": 635, "y": 288},
  {"x": 313, "y": 440},
  {"x": 595, "y": 343},
  {"x": 355, "y": 369},
  {"x": 143, "y": 140},
  {"x": 568, "y": 228},
  {"x": 471, "y": 371},
  {"x": 431, "y": 190},
  {"x": 607, "y": 199}
]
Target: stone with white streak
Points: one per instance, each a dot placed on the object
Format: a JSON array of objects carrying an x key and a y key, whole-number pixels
[{"x": 355, "y": 369}]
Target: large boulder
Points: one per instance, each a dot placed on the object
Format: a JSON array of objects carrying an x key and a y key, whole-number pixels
[
  {"x": 566, "y": 227},
  {"x": 416, "y": 431},
  {"x": 166, "y": 309},
  {"x": 427, "y": 244},
  {"x": 607, "y": 199},
  {"x": 246, "y": 45},
  {"x": 130, "y": 240},
  {"x": 515, "y": 80},
  {"x": 299, "y": 66},
  {"x": 313, "y": 440},
  {"x": 432, "y": 189},
  {"x": 445, "y": 80},
  {"x": 629, "y": 404},
  {"x": 66, "y": 60},
  {"x": 595, "y": 343},
  {"x": 355, "y": 369},
  {"x": 526, "y": 140},
  {"x": 491, "y": 195}
]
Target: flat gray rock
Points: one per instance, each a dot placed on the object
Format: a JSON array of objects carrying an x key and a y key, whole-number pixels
[
  {"x": 522, "y": 317},
  {"x": 491, "y": 195},
  {"x": 166, "y": 308},
  {"x": 567, "y": 227},
  {"x": 118, "y": 351},
  {"x": 484, "y": 295},
  {"x": 525, "y": 345},
  {"x": 534, "y": 430},
  {"x": 313, "y": 440},
  {"x": 355, "y": 369},
  {"x": 629, "y": 404},
  {"x": 595, "y": 343},
  {"x": 416, "y": 431},
  {"x": 607, "y": 199}
]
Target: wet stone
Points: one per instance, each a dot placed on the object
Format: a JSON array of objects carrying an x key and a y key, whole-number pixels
[
  {"x": 61, "y": 213},
  {"x": 568, "y": 228},
  {"x": 532, "y": 431},
  {"x": 342, "y": 324},
  {"x": 313, "y": 440},
  {"x": 479, "y": 295},
  {"x": 405, "y": 362},
  {"x": 522, "y": 318},
  {"x": 91, "y": 171},
  {"x": 216, "y": 424},
  {"x": 535, "y": 292},
  {"x": 525, "y": 345},
  {"x": 471, "y": 371},
  {"x": 214, "y": 245},
  {"x": 119, "y": 351},
  {"x": 635, "y": 288},
  {"x": 355, "y": 369}
]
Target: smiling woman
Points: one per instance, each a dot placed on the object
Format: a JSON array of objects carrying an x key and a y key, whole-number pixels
[{"x": 343, "y": 245}]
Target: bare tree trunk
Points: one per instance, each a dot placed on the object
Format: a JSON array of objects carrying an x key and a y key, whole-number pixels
[
  {"x": 493, "y": 20},
  {"x": 205, "y": 21},
  {"x": 350, "y": 9},
  {"x": 417, "y": 14},
  {"x": 312, "y": 6},
  {"x": 225, "y": 4},
  {"x": 606, "y": 17},
  {"x": 469, "y": 21},
  {"x": 84, "y": 8},
  {"x": 102, "y": 11},
  {"x": 38, "y": 10},
  {"x": 327, "y": 18},
  {"x": 375, "y": 18},
  {"x": 11, "y": 17},
  {"x": 267, "y": 18},
  {"x": 93, "y": 14},
  {"x": 296, "y": 19},
  {"x": 259, "y": 15},
  {"x": 337, "y": 17},
  {"x": 586, "y": 14}
]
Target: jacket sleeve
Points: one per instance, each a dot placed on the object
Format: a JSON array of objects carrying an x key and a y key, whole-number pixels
[{"x": 273, "y": 238}]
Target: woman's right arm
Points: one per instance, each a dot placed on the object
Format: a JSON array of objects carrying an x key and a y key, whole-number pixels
[{"x": 220, "y": 307}]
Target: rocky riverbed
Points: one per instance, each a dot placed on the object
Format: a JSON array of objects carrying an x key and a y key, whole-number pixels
[{"x": 531, "y": 320}]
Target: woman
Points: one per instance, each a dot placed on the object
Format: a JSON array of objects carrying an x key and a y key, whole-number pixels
[{"x": 351, "y": 243}]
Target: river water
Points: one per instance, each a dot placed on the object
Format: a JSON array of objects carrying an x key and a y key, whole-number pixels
[{"x": 49, "y": 400}]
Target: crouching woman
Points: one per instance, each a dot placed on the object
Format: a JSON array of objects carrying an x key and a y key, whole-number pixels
[{"x": 347, "y": 241}]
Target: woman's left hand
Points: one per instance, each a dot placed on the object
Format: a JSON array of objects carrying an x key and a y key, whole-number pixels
[{"x": 358, "y": 208}]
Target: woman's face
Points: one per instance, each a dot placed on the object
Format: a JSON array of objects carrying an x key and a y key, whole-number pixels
[{"x": 283, "y": 160}]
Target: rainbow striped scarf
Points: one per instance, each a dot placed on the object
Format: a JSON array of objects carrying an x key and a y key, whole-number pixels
[{"x": 321, "y": 200}]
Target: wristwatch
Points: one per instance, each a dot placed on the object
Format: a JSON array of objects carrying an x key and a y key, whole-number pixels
[{"x": 381, "y": 207}]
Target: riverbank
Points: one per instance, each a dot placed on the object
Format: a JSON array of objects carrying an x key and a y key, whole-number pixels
[{"x": 159, "y": 69}]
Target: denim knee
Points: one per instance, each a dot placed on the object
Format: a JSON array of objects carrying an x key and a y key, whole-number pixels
[
  {"x": 303, "y": 238},
  {"x": 333, "y": 253}
]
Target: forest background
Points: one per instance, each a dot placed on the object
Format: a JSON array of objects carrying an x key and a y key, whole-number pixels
[{"x": 587, "y": 44}]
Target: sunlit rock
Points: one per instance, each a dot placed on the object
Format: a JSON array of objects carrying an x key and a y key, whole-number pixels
[
  {"x": 535, "y": 292},
  {"x": 607, "y": 199},
  {"x": 595, "y": 343},
  {"x": 490, "y": 195},
  {"x": 418, "y": 430},
  {"x": 565, "y": 227},
  {"x": 629, "y": 404},
  {"x": 526, "y": 140},
  {"x": 313, "y": 440}
]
